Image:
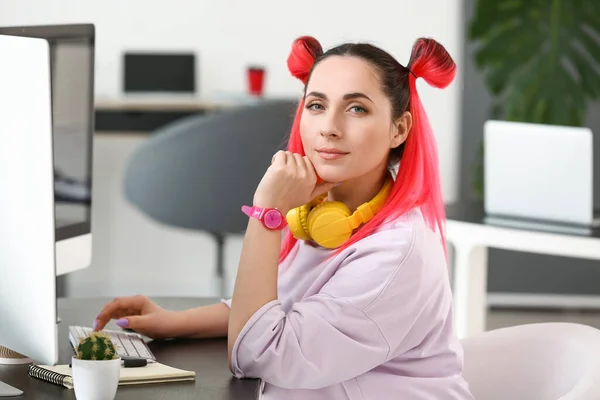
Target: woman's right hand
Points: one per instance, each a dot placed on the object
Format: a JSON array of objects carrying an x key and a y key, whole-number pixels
[{"x": 141, "y": 315}]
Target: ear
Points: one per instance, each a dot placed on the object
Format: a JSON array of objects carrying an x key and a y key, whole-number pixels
[{"x": 402, "y": 127}]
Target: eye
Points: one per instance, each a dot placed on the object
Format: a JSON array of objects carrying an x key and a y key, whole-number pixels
[
  {"x": 313, "y": 106},
  {"x": 358, "y": 109}
]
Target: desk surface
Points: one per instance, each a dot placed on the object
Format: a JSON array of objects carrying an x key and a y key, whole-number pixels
[
  {"x": 473, "y": 212},
  {"x": 208, "y": 358}
]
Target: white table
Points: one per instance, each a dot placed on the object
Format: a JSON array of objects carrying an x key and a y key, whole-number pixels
[{"x": 470, "y": 234}]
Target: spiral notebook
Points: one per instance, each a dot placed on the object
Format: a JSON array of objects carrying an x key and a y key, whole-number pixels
[{"x": 151, "y": 373}]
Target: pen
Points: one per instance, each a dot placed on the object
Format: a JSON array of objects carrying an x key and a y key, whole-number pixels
[{"x": 134, "y": 362}]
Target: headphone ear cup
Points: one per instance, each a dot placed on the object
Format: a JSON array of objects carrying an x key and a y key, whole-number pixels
[
  {"x": 297, "y": 221},
  {"x": 328, "y": 224}
]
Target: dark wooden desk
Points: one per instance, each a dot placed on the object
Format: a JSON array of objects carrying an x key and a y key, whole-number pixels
[
  {"x": 208, "y": 358},
  {"x": 146, "y": 115}
]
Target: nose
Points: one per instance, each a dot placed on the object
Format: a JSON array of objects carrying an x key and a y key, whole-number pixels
[
  {"x": 330, "y": 134},
  {"x": 330, "y": 128}
]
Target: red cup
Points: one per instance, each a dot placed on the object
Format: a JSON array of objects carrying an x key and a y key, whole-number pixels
[{"x": 256, "y": 80}]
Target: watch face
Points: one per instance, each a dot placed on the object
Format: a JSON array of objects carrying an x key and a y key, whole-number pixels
[{"x": 272, "y": 219}]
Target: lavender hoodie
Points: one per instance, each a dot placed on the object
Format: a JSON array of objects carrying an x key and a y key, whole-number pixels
[{"x": 374, "y": 322}]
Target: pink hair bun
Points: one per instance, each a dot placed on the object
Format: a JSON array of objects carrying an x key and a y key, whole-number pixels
[{"x": 305, "y": 50}]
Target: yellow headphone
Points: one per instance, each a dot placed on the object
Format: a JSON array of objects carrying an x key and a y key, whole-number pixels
[{"x": 331, "y": 223}]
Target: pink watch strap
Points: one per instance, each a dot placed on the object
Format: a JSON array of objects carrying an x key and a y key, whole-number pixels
[{"x": 253, "y": 211}]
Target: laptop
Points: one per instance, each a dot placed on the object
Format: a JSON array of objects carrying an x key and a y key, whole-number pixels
[{"x": 539, "y": 173}]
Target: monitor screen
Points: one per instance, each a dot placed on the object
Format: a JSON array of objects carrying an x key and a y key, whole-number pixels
[
  {"x": 159, "y": 73},
  {"x": 72, "y": 80},
  {"x": 72, "y": 118}
]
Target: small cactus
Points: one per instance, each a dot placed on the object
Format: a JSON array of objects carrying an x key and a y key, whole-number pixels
[{"x": 96, "y": 346}]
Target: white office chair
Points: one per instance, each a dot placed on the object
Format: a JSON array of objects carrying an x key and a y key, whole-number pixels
[{"x": 544, "y": 361}]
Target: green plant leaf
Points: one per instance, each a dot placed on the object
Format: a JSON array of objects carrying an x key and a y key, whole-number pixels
[
  {"x": 587, "y": 79},
  {"x": 589, "y": 43},
  {"x": 540, "y": 59},
  {"x": 498, "y": 48},
  {"x": 488, "y": 12},
  {"x": 589, "y": 12},
  {"x": 501, "y": 72}
]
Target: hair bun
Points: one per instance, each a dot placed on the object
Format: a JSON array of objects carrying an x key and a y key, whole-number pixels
[
  {"x": 430, "y": 60},
  {"x": 305, "y": 50}
]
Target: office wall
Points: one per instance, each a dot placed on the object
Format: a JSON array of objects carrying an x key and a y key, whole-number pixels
[
  {"x": 228, "y": 35},
  {"x": 537, "y": 280}
]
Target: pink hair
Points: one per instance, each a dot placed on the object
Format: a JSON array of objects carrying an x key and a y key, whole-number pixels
[{"x": 418, "y": 182}]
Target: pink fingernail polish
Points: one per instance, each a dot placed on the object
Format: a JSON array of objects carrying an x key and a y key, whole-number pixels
[
  {"x": 95, "y": 324},
  {"x": 122, "y": 322}
]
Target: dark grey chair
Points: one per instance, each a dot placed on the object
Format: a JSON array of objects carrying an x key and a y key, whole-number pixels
[{"x": 197, "y": 172}]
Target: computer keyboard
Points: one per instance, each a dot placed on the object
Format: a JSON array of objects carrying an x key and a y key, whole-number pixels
[{"x": 127, "y": 344}]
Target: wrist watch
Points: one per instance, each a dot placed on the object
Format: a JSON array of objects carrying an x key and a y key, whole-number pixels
[{"x": 271, "y": 218}]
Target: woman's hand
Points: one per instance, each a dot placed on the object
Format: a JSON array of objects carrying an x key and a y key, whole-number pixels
[
  {"x": 140, "y": 314},
  {"x": 289, "y": 182}
]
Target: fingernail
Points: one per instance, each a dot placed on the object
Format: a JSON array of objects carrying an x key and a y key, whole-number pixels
[
  {"x": 338, "y": 184},
  {"x": 122, "y": 322},
  {"x": 95, "y": 324}
]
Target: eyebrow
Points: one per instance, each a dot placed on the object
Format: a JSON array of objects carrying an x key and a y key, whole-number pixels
[{"x": 348, "y": 96}]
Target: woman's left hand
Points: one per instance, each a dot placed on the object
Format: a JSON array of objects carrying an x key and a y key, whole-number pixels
[{"x": 289, "y": 182}]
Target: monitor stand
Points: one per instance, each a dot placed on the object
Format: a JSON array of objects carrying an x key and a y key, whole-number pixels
[
  {"x": 10, "y": 357},
  {"x": 9, "y": 391}
]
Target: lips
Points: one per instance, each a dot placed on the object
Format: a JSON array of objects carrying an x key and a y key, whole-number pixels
[{"x": 330, "y": 153}]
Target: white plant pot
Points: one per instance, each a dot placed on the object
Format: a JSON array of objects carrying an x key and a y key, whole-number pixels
[{"x": 95, "y": 380}]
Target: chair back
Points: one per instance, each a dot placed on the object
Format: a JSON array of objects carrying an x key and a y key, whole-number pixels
[
  {"x": 544, "y": 361},
  {"x": 196, "y": 173}
]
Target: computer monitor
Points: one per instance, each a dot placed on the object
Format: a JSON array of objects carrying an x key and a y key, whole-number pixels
[
  {"x": 159, "y": 73},
  {"x": 72, "y": 50},
  {"x": 46, "y": 125}
]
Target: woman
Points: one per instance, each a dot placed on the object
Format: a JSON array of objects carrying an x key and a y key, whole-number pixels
[{"x": 355, "y": 302}]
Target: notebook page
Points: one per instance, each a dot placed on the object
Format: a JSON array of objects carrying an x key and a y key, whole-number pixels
[{"x": 149, "y": 373}]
